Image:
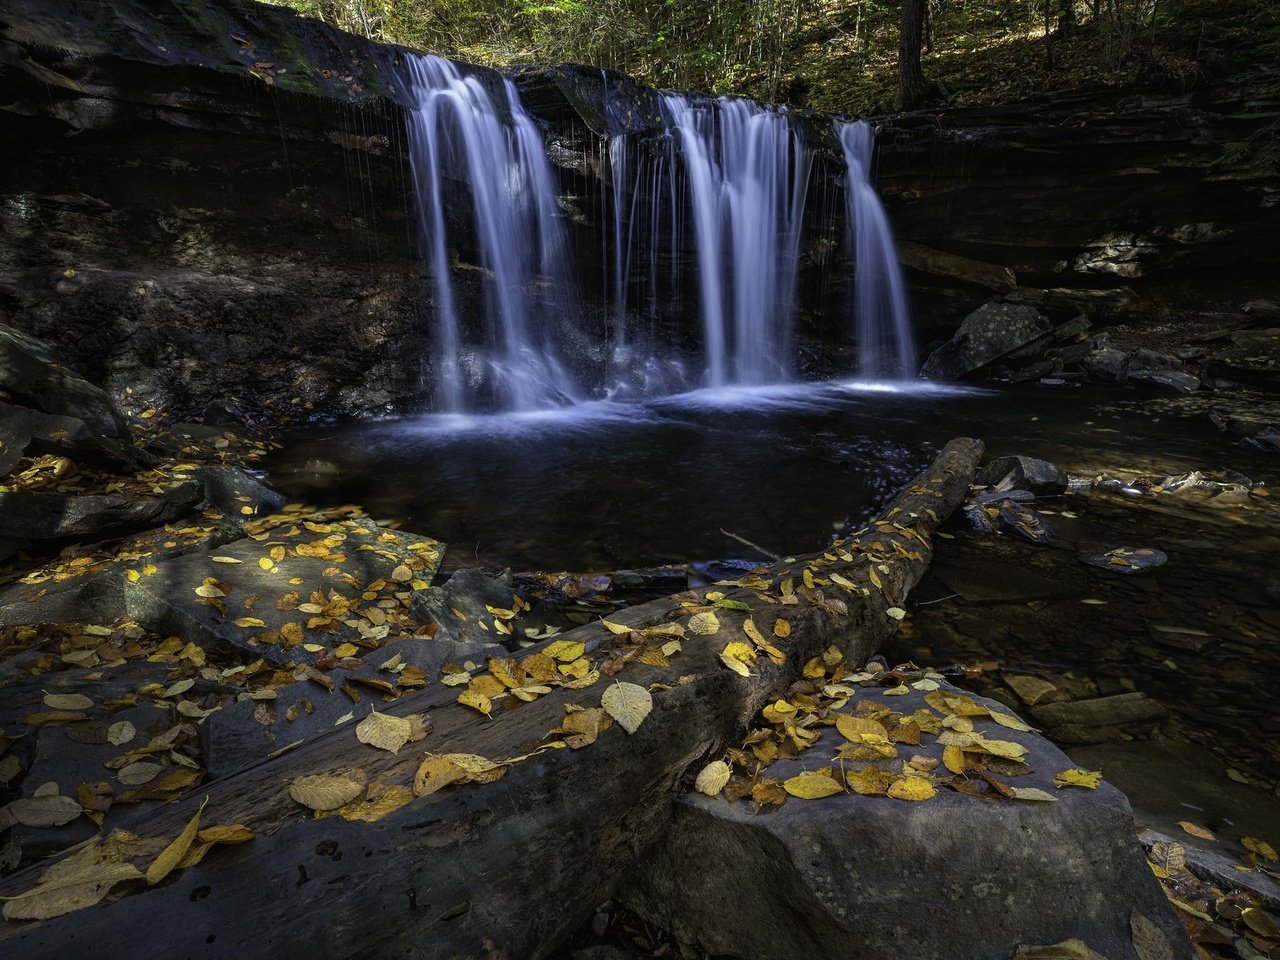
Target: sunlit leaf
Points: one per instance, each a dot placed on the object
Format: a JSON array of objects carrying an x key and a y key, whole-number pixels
[{"x": 628, "y": 703}]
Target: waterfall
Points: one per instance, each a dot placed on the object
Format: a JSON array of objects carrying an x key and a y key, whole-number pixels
[
  {"x": 480, "y": 142},
  {"x": 748, "y": 174},
  {"x": 885, "y": 341}
]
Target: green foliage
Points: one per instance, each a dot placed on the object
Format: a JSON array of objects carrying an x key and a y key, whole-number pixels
[{"x": 836, "y": 55}]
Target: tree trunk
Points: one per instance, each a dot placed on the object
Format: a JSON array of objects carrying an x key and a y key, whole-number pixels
[
  {"x": 910, "y": 76},
  {"x": 505, "y": 869}
]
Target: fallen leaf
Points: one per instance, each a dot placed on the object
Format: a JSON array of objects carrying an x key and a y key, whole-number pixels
[
  {"x": 781, "y": 629},
  {"x": 1073, "y": 949},
  {"x": 912, "y": 788},
  {"x": 384, "y": 731},
  {"x": 1196, "y": 830},
  {"x": 1033, "y": 793},
  {"x": 1260, "y": 847},
  {"x": 1010, "y": 721},
  {"x": 67, "y": 701},
  {"x": 80, "y": 886},
  {"x": 1260, "y": 922},
  {"x": 812, "y": 786},
  {"x": 704, "y": 623},
  {"x": 712, "y": 778},
  {"x": 1076, "y": 777},
  {"x": 476, "y": 701},
  {"x": 142, "y": 771},
  {"x": 628, "y": 703},
  {"x": 169, "y": 857},
  {"x": 324, "y": 792},
  {"x": 897, "y": 613},
  {"x": 120, "y": 733},
  {"x": 1149, "y": 941},
  {"x": 44, "y": 811}
]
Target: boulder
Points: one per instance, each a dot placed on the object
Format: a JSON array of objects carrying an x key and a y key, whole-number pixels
[
  {"x": 326, "y": 587},
  {"x": 232, "y": 490},
  {"x": 1105, "y": 364},
  {"x": 1159, "y": 370},
  {"x": 865, "y": 876},
  {"x": 459, "y": 607},
  {"x": 1126, "y": 560},
  {"x": 1102, "y": 711},
  {"x": 29, "y": 370},
  {"x": 987, "y": 334},
  {"x": 53, "y": 516},
  {"x": 1028, "y": 473},
  {"x": 15, "y": 435},
  {"x": 72, "y": 437}
]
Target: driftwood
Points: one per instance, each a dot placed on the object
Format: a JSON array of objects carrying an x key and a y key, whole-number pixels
[{"x": 508, "y": 868}]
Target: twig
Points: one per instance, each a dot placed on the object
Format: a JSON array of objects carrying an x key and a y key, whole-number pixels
[{"x": 754, "y": 546}]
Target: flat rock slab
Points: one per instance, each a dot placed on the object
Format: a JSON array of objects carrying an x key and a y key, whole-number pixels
[
  {"x": 462, "y": 607},
  {"x": 296, "y": 593},
  {"x": 954, "y": 877},
  {"x": 52, "y": 516},
  {"x": 90, "y": 589}
]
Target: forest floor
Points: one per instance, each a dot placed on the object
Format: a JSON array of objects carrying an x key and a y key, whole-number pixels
[{"x": 847, "y": 63}]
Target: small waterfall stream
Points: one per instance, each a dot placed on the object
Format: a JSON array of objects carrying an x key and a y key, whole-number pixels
[
  {"x": 886, "y": 342},
  {"x": 459, "y": 133}
]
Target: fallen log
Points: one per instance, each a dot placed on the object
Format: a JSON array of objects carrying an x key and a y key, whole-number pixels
[{"x": 506, "y": 868}]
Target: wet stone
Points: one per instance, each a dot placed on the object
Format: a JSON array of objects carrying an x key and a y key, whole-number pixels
[
  {"x": 53, "y": 516},
  {"x": 1121, "y": 709},
  {"x": 91, "y": 589},
  {"x": 31, "y": 371},
  {"x": 952, "y": 877},
  {"x": 460, "y": 606},
  {"x": 1127, "y": 560},
  {"x": 1026, "y": 473},
  {"x": 298, "y": 592},
  {"x": 232, "y": 490}
]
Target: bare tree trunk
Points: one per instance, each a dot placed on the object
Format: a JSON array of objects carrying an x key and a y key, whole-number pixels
[{"x": 910, "y": 76}]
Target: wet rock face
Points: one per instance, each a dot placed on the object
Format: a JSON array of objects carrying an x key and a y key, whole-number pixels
[
  {"x": 990, "y": 332},
  {"x": 952, "y": 878}
]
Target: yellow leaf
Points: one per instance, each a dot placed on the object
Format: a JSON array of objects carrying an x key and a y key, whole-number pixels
[
  {"x": 225, "y": 560},
  {"x": 737, "y": 657},
  {"x": 812, "y": 786},
  {"x": 476, "y": 701},
  {"x": 712, "y": 778},
  {"x": 753, "y": 632},
  {"x": 74, "y": 888},
  {"x": 628, "y": 703},
  {"x": 779, "y": 711},
  {"x": 265, "y": 563},
  {"x": 1077, "y": 777},
  {"x": 67, "y": 701},
  {"x": 704, "y": 623},
  {"x": 781, "y": 629},
  {"x": 249, "y": 622},
  {"x": 133, "y": 575},
  {"x": 616, "y": 628},
  {"x": 1196, "y": 830},
  {"x": 277, "y": 553},
  {"x": 953, "y": 760},
  {"x": 384, "y": 731},
  {"x": 1010, "y": 721},
  {"x": 346, "y": 650},
  {"x": 566, "y": 651},
  {"x": 912, "y": 788},
  {"x": 861, "y": 729},
  {"x": 896, "y": 612},
  {"x": 1033, "y": 793},
  {"x": 388, "y": 799},
  {"x": 174, "y": 852},
  {"x": 228, "y": 833},
  {"x": 402, "y": 574},
  {"x": 324, "y": 792},
  {"x": 208, "y": 590},
  {"x": 1260, "y": 847}
]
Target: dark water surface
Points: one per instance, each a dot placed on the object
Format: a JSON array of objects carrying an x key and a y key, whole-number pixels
[{"x": 611, "y": 485}]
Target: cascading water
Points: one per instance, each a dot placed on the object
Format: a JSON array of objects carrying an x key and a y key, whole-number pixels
[
  {"x": 718, "y": 199},
  {"x": 748, "y": 174},
  {"x": 885, "y": 340},
  {"x": 459, "y": 134}
]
